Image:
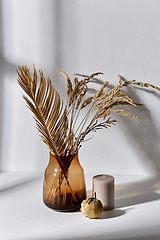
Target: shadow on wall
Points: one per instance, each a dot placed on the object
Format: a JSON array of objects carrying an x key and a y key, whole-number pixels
[
  {"x": 1, "y": 82},
  {"x": 5, "y": 69},
  {"x": 142, "y": 136}
]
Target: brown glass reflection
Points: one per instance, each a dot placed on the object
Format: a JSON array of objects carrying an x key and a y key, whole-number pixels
[{"x": 57, "y": 193}]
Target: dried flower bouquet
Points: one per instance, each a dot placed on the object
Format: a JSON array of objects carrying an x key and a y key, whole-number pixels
[{"x": 57, "y": 124}]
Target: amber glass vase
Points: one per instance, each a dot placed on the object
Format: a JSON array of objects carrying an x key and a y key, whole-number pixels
[{"x": 64, "y": 193}]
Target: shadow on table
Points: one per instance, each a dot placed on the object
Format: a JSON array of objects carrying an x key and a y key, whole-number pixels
[
  {"x": 137, "y": 192},
  {"x": 129, "y": 194},
  {"x": 111, "y": 214},
  {"x": 126, "y": 195},
  {"x": 17, "y": 184},
  {"x": 97, "y": 237},
  {"x": 108, "y": 214},
  {"x": 133, "y": 193}
]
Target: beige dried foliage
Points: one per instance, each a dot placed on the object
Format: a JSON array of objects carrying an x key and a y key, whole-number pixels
[
  {"x": 106, "y": 113},
  {"x": 125, "y": 95},
  {"x": 69, "y": 83},
  {"x": 81, "y": 96},
  {"x": 87, "y": 80},
  {"x": 56, "y": 123},
  {"x": 86, "y": 102},
  {"x": 76, "y": 91},
  {"x": 99, "y": 93},
  {"x": 75, "y": 81},
  {"x": 141, "y": 84}
]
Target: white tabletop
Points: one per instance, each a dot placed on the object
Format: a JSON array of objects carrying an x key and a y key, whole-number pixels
[{"x": 23, "y": 215}]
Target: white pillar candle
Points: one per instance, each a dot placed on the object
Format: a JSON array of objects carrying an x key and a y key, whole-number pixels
[{"x": 103, "y": 186}]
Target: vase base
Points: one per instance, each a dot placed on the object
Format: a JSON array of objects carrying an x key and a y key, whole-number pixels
[{"x": 62, "y": 210}]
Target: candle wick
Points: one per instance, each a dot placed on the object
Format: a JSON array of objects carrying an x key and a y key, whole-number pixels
[{"x": 94, "y": 194}]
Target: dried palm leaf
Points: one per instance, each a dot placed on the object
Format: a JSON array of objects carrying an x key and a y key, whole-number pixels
[
  {"x": 43, "y": 103},
  {"x": 47, "y": 108}
]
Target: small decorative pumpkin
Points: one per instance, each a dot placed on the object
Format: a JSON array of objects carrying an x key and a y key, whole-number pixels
[{"x": 91, "y": 208}]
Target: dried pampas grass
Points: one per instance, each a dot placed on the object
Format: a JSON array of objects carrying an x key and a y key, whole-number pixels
[{"x": 57, "y": 124}]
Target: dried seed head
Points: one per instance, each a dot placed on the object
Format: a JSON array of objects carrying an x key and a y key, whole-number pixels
[
  {"x": 69, "y": 83},
  {"x": 99, "y": 93},
  {"x": 119, "y": 111},
  {"x": 86, "y": 102},
  {"x": 81, "y": 97},
  {"x": 76, "y": 91},
  {"x": 75, "y": 80},
  {"x": 92, "y": 76}
]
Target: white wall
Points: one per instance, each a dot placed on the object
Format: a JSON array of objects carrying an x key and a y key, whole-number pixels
[{"x": 82, "y": 36}]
